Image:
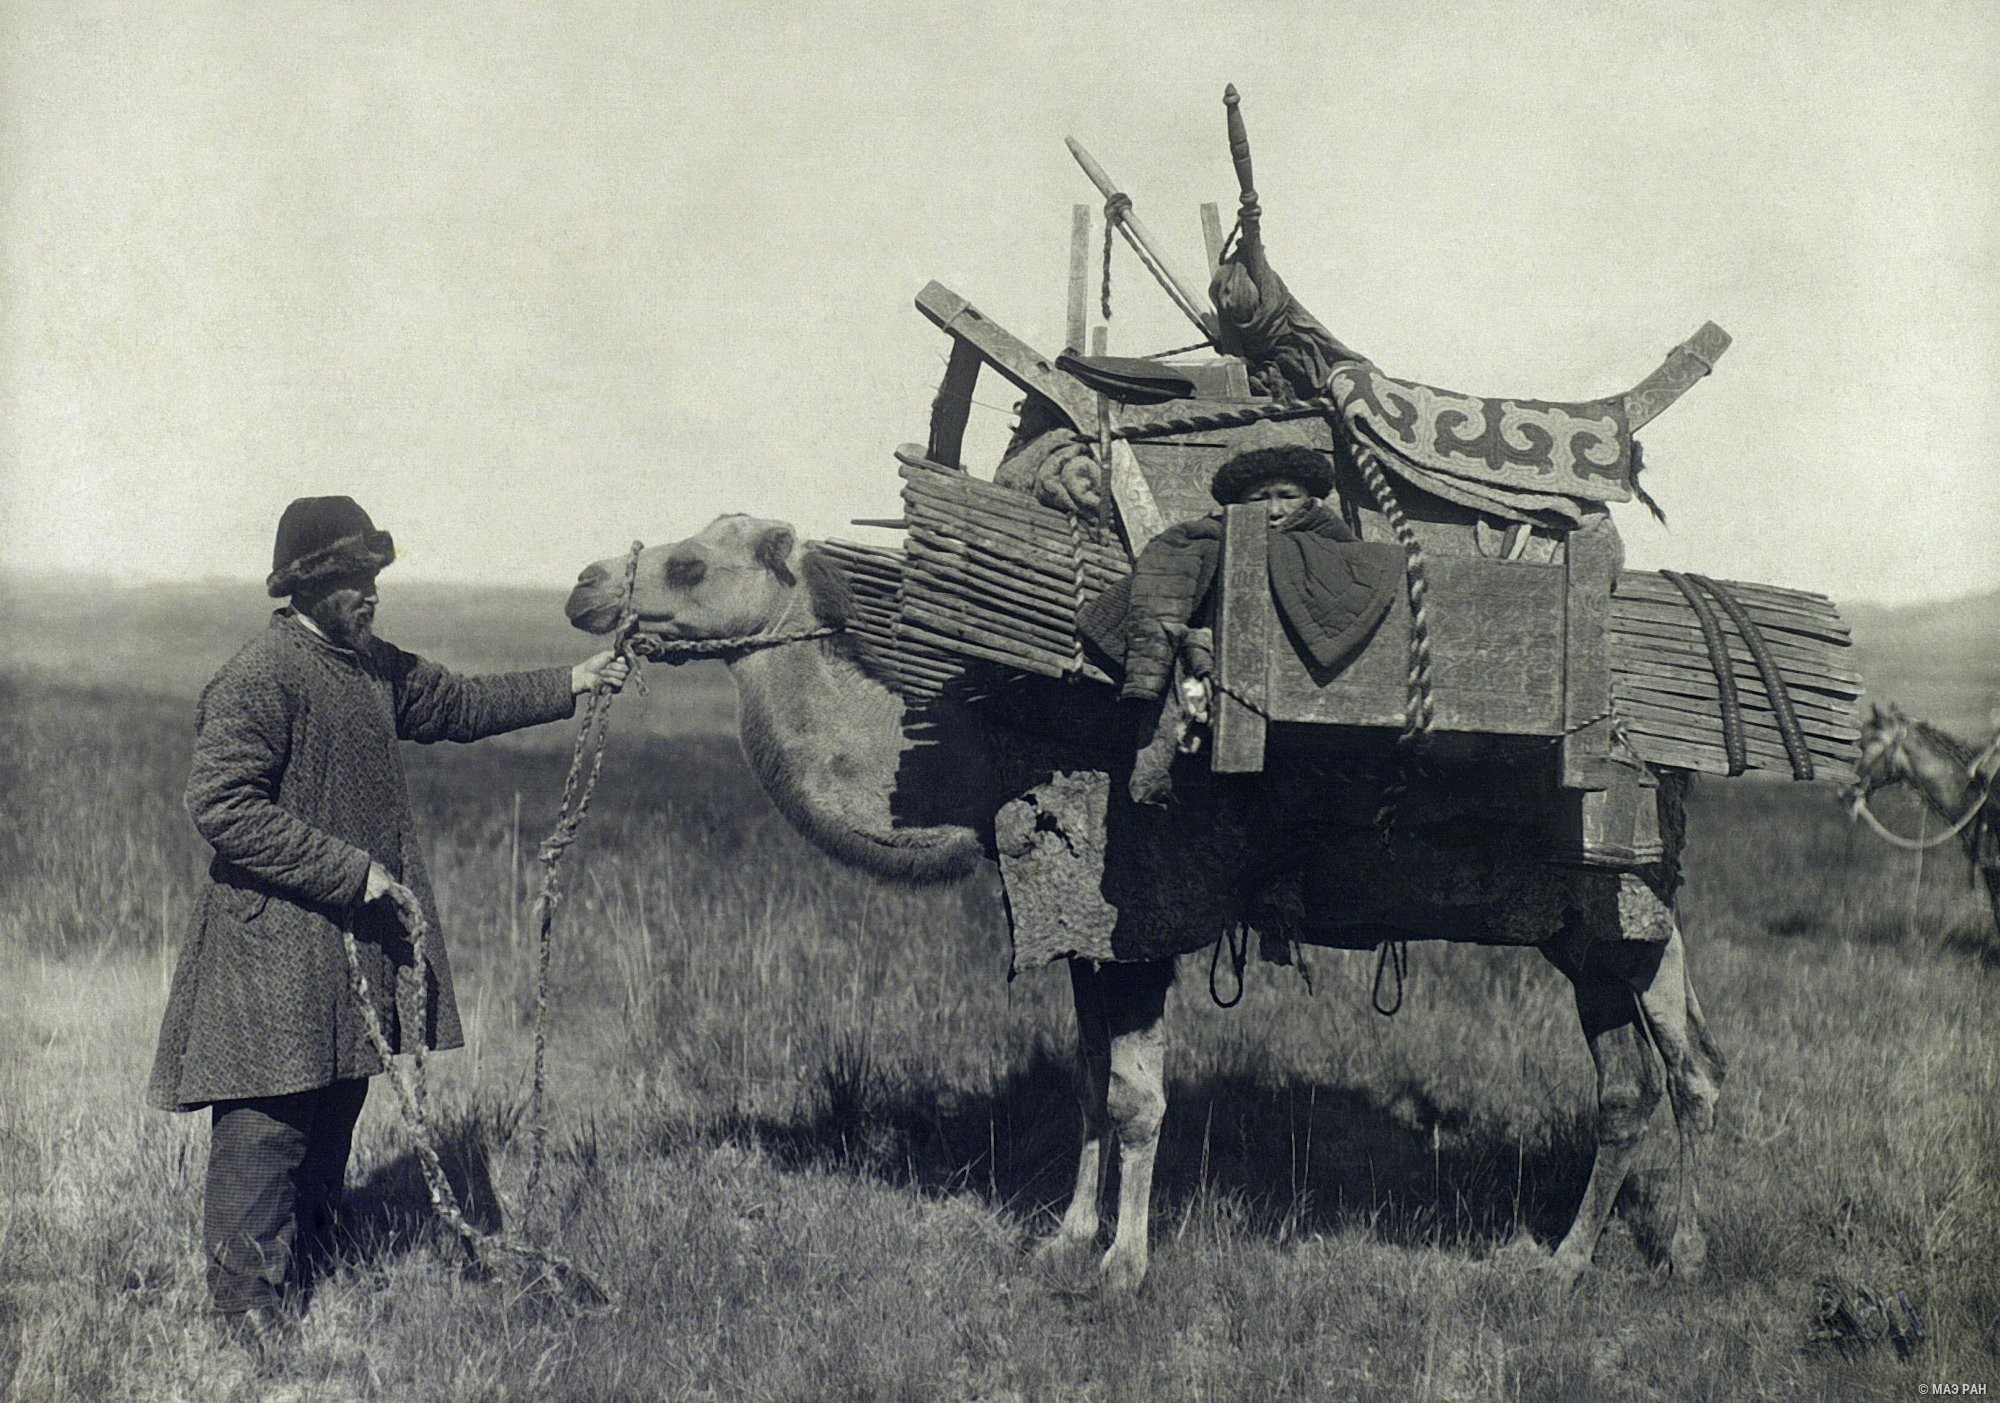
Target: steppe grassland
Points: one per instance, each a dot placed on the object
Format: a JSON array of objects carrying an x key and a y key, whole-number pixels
[{"x": 806, "y": 1127}]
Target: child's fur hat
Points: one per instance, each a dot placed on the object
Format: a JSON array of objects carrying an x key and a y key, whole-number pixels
[{"x": 1294, "y": 462}]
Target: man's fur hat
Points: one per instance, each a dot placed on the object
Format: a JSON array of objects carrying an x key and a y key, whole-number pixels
[
  {"x": 1294, "y": 462},
  {"x": 321, "y": 538}
]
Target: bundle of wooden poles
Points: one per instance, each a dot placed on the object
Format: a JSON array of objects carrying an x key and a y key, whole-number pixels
[
  {"x": 991, "y": 574},
  {"x": 874, "y": 578},
  {"x": 1667, "y": 693}
]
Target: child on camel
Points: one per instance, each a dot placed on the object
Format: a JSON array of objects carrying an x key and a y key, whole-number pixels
[{"x": 1330, "y": 588}]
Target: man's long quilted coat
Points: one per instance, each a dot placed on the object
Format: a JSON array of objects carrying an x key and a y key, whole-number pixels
[{"x": 297, "y": 782}]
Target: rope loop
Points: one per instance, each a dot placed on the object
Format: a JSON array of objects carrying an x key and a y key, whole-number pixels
[
  {"x": 1237, "y": 937},
  {"x": 1394, "y": 955},
  {"x": 1917, "y": 845}
]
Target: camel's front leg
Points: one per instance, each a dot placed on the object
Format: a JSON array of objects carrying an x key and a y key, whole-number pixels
[
  {"x": 1135, "y": 1002},
  {"x": 1093, "y": 1080}
]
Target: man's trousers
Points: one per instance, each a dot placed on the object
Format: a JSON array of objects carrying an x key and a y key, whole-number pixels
[{"x": 276, "y": 1167}]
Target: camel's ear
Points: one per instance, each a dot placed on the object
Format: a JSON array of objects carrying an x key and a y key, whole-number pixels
[
  {"x": 1874, "y": 712},
  {"x": 773, "y": 551}
]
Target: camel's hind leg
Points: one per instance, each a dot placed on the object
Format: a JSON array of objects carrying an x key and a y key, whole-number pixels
[
  {"x": 1121, "y": 1044},
  {"x": 1695, "y": 1069},
  {"x": 1634, "y": 1000},
  {"x": 1628, "y": 1086}
]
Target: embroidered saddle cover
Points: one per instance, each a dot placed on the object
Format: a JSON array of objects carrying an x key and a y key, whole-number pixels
[{"x": 1515, "y": 456}]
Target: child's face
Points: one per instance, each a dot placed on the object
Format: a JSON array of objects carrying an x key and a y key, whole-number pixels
[{"x": 1280, "y": 496}]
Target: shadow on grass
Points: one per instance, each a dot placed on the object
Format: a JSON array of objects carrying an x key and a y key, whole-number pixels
[
  {"x": 1293, "y": 1157},
  {"x": 1981, "y": 943},
  {"x": 388, "y": 1213}
]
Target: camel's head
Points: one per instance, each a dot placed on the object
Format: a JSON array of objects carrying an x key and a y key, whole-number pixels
[
  {"x": 1884, "y": 759},
  {"x": 737, "y": 577}
]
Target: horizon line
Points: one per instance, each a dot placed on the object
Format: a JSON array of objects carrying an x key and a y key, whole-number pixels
[{"x": 105, "y": 578}]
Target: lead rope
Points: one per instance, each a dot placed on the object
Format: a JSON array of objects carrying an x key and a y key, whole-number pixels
[
  {"x": 412, "y": 993},
  {"x": 411, "y": 998},
  {"x": 590, "y": 739},
  {"x": 487, "y": 1248}
]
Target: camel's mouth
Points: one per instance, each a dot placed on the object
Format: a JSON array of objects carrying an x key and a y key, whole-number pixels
[
  {"x": 591, "y": 615},
  {"x": 596, "y": 610},
  {"x": 595, "y": 604}
]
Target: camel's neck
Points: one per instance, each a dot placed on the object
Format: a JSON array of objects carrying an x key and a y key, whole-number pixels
[{"x": 828, "y": 744}]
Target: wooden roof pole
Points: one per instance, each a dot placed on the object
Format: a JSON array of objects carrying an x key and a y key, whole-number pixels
[
  {"x": 1078, "y": 321},
  {"x": 1118, "y": 208}
]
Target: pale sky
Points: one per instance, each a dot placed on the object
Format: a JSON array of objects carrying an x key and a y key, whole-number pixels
[{"x": 531, "y": 281}]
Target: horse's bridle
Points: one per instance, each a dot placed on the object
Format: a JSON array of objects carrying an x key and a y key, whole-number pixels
[{"x": 1863, "y": 787}]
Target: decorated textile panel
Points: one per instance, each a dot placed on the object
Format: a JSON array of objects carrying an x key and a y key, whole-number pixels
[{"x": 1581, "y": 450}]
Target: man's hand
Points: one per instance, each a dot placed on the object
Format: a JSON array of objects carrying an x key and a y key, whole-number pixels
[
  {"x": 607, "y": 668},
  {"x": 381, "y": 884}
]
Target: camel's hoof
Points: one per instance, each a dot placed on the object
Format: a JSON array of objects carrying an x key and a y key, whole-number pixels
[
  {"x": 1564, "y": 1269},
  {"x": 1120, "y": 1274},
  {"x": 1666, "y": 1230},
  {"x": 1687, "y": 1257},
  {"x": 1062, "y": 1249}
]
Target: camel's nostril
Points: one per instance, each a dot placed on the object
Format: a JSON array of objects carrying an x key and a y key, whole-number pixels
[{"x": 592, "y": 576}]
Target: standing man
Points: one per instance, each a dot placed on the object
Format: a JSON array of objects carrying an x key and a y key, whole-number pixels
[{"x": 297, "y": 783}]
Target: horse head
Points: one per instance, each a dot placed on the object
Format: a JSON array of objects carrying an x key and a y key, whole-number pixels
[{"x": 1884, "y": 754}]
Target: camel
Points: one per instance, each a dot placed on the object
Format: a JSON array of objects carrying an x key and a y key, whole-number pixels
[
  {"x": 923, "y": 792},
  {"x": 1956, "y": 781}
]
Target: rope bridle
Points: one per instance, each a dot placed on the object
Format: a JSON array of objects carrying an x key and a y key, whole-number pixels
[{"x": 1977, "y": 805}]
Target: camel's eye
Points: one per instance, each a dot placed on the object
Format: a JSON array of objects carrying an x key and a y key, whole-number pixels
[{"x": 685, "y": 571}]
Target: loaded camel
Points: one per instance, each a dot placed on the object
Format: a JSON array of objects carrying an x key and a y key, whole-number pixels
[
  {"x": 921, "y": 792},
  {"x": 1957, "y": 783}
]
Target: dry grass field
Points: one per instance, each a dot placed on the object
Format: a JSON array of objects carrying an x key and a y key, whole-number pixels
[{"x": 806, "y": 1128}]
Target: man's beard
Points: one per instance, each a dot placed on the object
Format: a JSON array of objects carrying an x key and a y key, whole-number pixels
[
  {"x": 344, "y": 628},
  {"x": 350, "y": 632}
]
